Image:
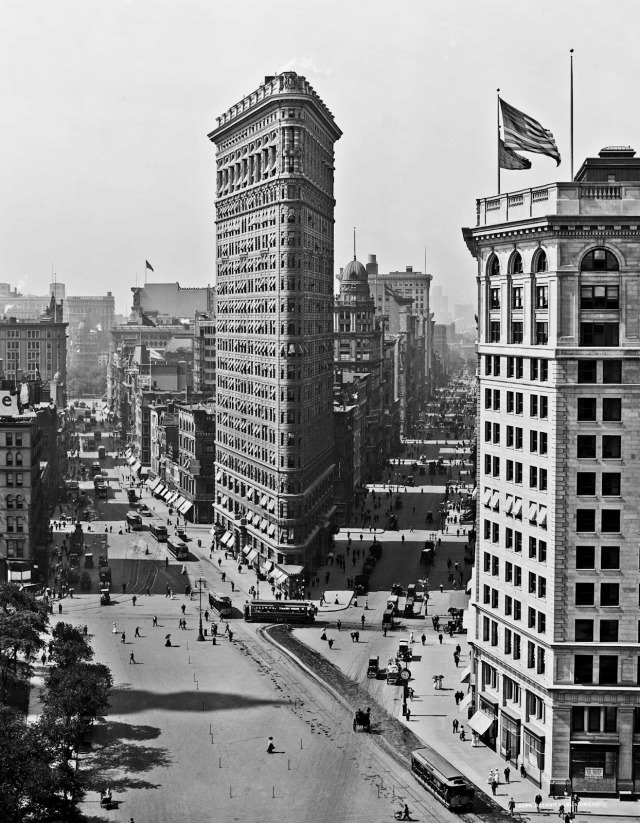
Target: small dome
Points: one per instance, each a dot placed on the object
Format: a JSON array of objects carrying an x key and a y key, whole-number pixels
[
  {"x": 354, "y": 270},
  {"x": 57, "y": 377}
]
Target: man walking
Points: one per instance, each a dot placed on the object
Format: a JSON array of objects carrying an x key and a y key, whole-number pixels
[
  {"x": 507, "y": 773},
  {"x": 131, "y": 658},
  {"x": 137, "y": 634},
  {"x": 155, "y": 620}
]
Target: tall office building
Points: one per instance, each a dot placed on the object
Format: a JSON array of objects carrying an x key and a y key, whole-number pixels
[
  {"x": 274, "y": 357},
  {"x": 557, "y": 648}
]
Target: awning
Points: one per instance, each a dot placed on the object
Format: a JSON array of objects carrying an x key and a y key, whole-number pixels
[
  {"x": 509, "y": 504},
  {"x": 228, "y": 540},
  {"x": 512, "y": 715},
  {"x": 246, "y": 549},
  {"x": 271, "y": 530},
  {"x": 127, "y": 452},
  {"x": 131, "y": 460},
  {"x": 480, "y": 722},
  {"x": 218, "y": 475},
  {"x": 166, "y": 494},
  {"x": 279, "y": 576},
  {"x": 495, "y": 500},
  {"x": 467, "y": 676},
  {"x": 533, "y": 512},
  {"x": 184, "y": 508},
  {"x": 486, "y": 497},
  {"x": 249, "y": 494},
  {"x": 145, "y": 470},
  {"x": 172, "y": 498},
  {"x": 252, "y": 555},
  {"x": 517, "y": 511},
  {"x": 225, "y": 537},
  {"x": 542, "y": 516},
  {"x": 268, "y": 566},
  {"x": 263, "y": 500},
  {"x": 136, "y": 466},
  {"x": 153, "y": 484},
  {"x": 256, "y": 519},
  {"x": 272, "y": 505},
  {"x": 264, "y": 524},
  {"x": 465, "y": 701}
]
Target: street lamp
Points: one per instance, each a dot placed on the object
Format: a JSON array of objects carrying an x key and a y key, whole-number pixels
[{"x": 200, "y": 581}]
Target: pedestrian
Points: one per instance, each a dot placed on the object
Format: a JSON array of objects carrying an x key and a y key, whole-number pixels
[
  {"x": 148, "y": 592},
  {"x": 507, "y": 773},
  {"x": 575, "y": 802},
  {"x": 134, "y": 600},
  {"x": 230, "y": 633},
  {"x": 462, "y": 734},
  {"x": 456, "y": 659},
  {"x": 224, "y": 576},
  {"x": 131, "y": 658},
  {"x": 561, "y": 810},
  {"x": 214, "y": 629},
  {"x": 408, "y": 714},
  {"x": 85, "y": 630},
  {"x": 270, "y": 748},
  {"x": 124, "y": 588},
  {"x": 123, "y": 638},
  {"x": 538, "y": 801},
  {"x": 137, "y": 634},
  {"x": 357, "y": 634},
  {"x": 155, "y": 620},
  {"x": 440, "y": 638},
  {"x": 567, "y": 818},
  {"x": 206, "y": 615},
  {"x": 362, "y": 621},
  {"x": 114, "y": 630},
  {"x": 512, "y": 806},
  {"x": 494, "y": 787},
  {"x": 455, "y": 725},
  {"x": 330, "y": 642},
  {"x": 233, "y": 587},
  {"x": 423, "y": 638},
  {"x": 411, "y": 639},
  {"x": 405, "y": 815},
  {"x": 339, "y": 624},
  {"x": 523, "y": 771}
]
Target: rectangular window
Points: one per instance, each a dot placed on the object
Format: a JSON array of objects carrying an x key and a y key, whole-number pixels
[
  {"x": 533, "y": 547},
  {"x": 496, "y": 433},
  {"x": 608, "y": 631},
  {"x": 611, "y": 484},
  {"x": 544, "y": 406},
  {"x": 577, "y": 719},
  {"x": 609, "y": 594},
  {"x": 517, "y": 545},
  {"x": 542, "y": 551},
  {"x": 610, "y": 520},
  {"x": 519, "y": 403},
  {"x": 496, "y": 365},
  {"x": 543, "y": 442},
  {"x": 517, "y": 576},
  {"x": 487, "y": 560},
  {"x": 542, "y": 623},
  {"x": 495, "y": 566},
  {"x": 496, "y": 467},
  {"x": 516, "y": 646},
  {"x": 544, "y": 371},
  {"x": 486, "y": 595},
  {"x": 494, "y": 298},
  {"x": 533, "y": 441},
  {"x": 532, "y": 583},
  {"x": 518, "y": 438},
  {"x": 510, "y": 366},
  {"x": 610, "y": 557},
  {"x": 603, "y": 298},
  {"x": 583, "y": 631},
  {"x": 533, "y": 368},
  {"x": 583, "y": 669},
  {"x": 587, "y": 371},
  {"x": 585, "y": 557},
  {"x": 612, "y": 371},
  {"x": 608, "y": 664},
  {"x": 519, "y": 368},
  {"x": 517, "y": 611},
  {"x": 508, "y": 603},
  {"x": 541, "y": 663},
  {"x": 508, "y": 538},
  {"x": 509, "y": 470},
  {"x": 508, "y": 572},
  {"x": 587, "y": 409},
  {"x": 495, "y": 533},
  {"x": 610, "y": 719},
  {"x": 487, "y": 432},
  {"x": 516, "y": 297},
  {"x": 585, "y": 594},
  {"x": 494, "y": 331},
  {"x": 517, "y": 332},
  {"x": 542, "y": 480},
  {"x": 586, "y": 446},
  {"x": 611, "y": 447},
  {"x": 586, "y": 483},
  {"x": 494, "y": 599},
  {"x": 599, "y": 334},
  {"x": 496, "y": 399},
  {"x": 510, "y": 406},
  {"x": 507, "y": 641},
  {"x": 485, "y": 629},
  {"x": 531, "y": 655},
  {"x": 533, "y": 405},
  {"x": 487, "y": 364},
  {"x": 586, "y": 520},
  {"x": 509, "y": 437},
  {"x": 531, "y": 618},
  {"x": 533, "y": 477},
  {"x": 542, "y": 297},
  {"x": 487, "y": 398},
  {"x": 518, "y": 475},
  {"x": 542, "y": 587},
  {"x": 611, "y": 409},
  {"x": 487, "y": 464},
  {"x": 542, "y": 334}
]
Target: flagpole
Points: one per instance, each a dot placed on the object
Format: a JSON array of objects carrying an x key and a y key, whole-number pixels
[
  {"x": 498, "y": 142},
  {"x": 571, "y": 112}
]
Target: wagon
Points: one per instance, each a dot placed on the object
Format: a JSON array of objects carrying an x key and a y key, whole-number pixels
[{"x": 362, "y": 720}]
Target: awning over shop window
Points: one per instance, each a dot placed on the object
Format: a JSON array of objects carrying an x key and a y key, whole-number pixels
[
  {"x": 467, "y": 676},
  {"x": 184, "y": 508},
  {"x": 279, "y": 576},
  {"x": 252, "y": 555},
  {"x": 480, "y": 722},
  {"x": 166, "y": 494},
  {"x": 136, "y": 466},
  {"x": 268, "y": 566},
  {"x": 271, "y": 530},
  {"x": 131, "y": 460},
  {"x": 153, "y": 484},
  {"x": 178, "y": 501},
  {"x": 465, "y": 701},
  {"x": 227, "y": 539}
]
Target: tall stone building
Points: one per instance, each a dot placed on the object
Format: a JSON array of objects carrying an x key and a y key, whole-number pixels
[
  {"x": 557, "y": 647},
  {"x": 274, "y": 358}
]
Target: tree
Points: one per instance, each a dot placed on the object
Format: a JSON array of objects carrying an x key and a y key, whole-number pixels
[
  {"x": 69, "y": 646},
  {"x": 22, "y": 622},
  {"x": 36, "y": 784}
]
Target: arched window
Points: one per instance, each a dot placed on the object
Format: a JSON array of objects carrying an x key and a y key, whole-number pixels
[
  {"x": 493, "y": 266},
  {"x": 9, "y": 458},
  {"x": 516, "y": 263},
  {"x": 9, "y": 501},
  {"x": 19, "y": 501},
  {"x": 18, "y": 458},
  {"x": 599, "y": 260},
  {"x": 540, "y": 262}
]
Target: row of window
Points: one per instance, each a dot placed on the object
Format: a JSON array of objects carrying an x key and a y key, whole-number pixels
[
  {"x": 513, "y": 573},
  {"x": 538, "y": 404},
  {"x": 607, "y": 631},
  {"x": 611, "y": 371},
  {"x": 592, "y": 298},
  {"x": 611, "y": 446},
  {"x": 610, "y": 520},
  {"x": 585, "y": 594},
  {"x": 610, "y": 484},
  {"x": 588, "y": 409},
  {"x": 538, "y": 477},
  {"x": 597, "y": 260},
  {"x": 536, "y": 658},
  {"x": 538, "y": 368},
  {"x": 517, "y": 297},
  {"x": 536, "y": 620},
  {"x": 609, "y": 557},
  {"x": 538, "y": 441},
  {"x": 591, "y": 334}
]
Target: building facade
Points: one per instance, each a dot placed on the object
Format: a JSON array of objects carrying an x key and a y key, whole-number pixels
[
  {"x": 274, "y": 357},
  {"x": 557, "y": 647}
]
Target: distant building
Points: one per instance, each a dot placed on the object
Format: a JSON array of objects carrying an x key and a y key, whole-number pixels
[
  {"x": 90, "y": 320},
  {"x": 162, "y": 302},
  {"x": 204, "y": 354}
]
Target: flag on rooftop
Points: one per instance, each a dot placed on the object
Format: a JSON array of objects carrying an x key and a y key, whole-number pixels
[
  {"x": 148, "y": 265},
  {"x": 510, "y": 160},
  {"x": 524, "y": 133}
]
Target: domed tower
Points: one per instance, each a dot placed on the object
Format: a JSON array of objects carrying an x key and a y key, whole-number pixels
[{"x": 354, "y": 284}]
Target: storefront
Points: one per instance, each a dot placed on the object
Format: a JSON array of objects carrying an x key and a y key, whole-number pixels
[
  {"x": 509, "y": 735},
  {"x": 594, "y": 767},
  {"x": 636, "y": 768},
  {"x": 533, "y": 746},
  {"x": 490, "y": 709}
]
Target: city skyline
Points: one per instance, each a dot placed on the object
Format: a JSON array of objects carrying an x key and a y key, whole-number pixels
[{"x": 125, "y": 95}]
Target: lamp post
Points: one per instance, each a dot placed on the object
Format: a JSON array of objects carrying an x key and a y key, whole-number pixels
[{"x": 200, "y": 581}]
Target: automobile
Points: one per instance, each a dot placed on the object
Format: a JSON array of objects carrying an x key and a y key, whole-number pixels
[
  {"x": 375, "y": 550},
  {"x": 410, "y": 480},
  {"x": 361, "y": 583},
  {"x": 145, "y": 510},
  {"x": 182, "y": 534},
  {"x": 397, "y": 589},
  {"x": 404, "y": 650},
  {"x": 373, "y": 669},
  {"x": 411, "y": 591}
]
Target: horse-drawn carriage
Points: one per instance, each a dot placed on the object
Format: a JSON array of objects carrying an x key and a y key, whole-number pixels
[{"x": 362, "y": 720}]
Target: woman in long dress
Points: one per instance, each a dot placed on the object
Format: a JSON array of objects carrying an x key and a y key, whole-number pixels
[{"x": 114, "y": 630}]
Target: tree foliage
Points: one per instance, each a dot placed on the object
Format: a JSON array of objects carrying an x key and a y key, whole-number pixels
[
  {"x": 69, "y": 646},
  {"x": 82, "y": 382},
  {"x": 22, "y": 623}
]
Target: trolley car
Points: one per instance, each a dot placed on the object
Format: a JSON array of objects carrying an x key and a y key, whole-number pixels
[{"x": 442, "y": 779}]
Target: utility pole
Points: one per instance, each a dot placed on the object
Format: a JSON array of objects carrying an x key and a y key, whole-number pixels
[{"x": 200, "y": 581}]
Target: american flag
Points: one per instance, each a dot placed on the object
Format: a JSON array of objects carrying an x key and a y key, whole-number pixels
[{"x": 524, "y": 133}]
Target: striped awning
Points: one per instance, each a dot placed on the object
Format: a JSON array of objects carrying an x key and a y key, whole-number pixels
[
  {"x": 136, "y": 466},
  {"x": 252, "y": 555},
  {"x": 185, "y": 506}
]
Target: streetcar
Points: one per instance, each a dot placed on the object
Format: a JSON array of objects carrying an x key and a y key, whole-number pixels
[
  {"x": 159, "y": 531},
  {"x": 134, "y": 521},
  {"x": 178, "y": 549},
  {"x": 442, "y": 779},
  {"x": 221, "y": 603},
  {"x": 279, "y": 611}
]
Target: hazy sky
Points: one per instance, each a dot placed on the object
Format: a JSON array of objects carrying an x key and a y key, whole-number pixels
[{"x": 106, "y": 105}]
